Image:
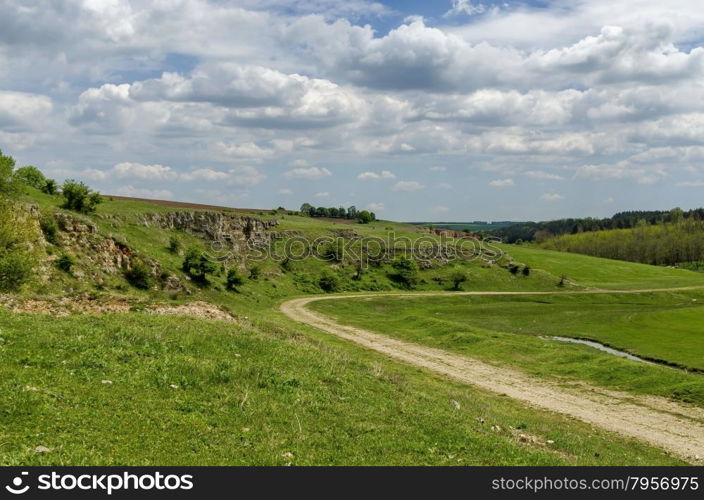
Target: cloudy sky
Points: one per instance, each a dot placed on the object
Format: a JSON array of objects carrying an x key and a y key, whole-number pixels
[{"x": 442, "y": 110}]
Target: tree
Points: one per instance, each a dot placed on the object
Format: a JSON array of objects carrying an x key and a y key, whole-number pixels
[
  {"x": 8, "y": 181},
  {"x": 307, "y": 209},
  {"x": 405, "y": 271},
  {"x": 329, "y": 281},
  {"x": 234, "y": 280},
  {"x": 364, "y": 217},
  {"x": 79, "y": 197},
  {"x": 31, "y": 176},
  {"x": 352, "y": 212},
  {"x": 341, "y": 212},
  {"x": 458, "y": 276},
  {"x": 50, "y": 187},
  {"x": 198, "y": 265}
]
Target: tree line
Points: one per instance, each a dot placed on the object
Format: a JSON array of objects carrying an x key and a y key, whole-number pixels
[
  {"x": 362, "y": 216},
  {"x": 668, "y": 243},
  {"x": 541, "y": 231}
]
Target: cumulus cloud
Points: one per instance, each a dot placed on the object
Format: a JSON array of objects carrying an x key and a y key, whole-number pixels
[
  {"x": 384, "y": 174},
  {"x": 407, "y": 186},
  {"x": 146, "y": 172},
  {"x": 310, "y": 173},
  {"x": 375, "y": 207},
  {"x": 139, "y": 192}
]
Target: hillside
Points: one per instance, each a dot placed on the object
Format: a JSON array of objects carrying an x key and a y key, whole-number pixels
[{"x": 112, "y": 333}]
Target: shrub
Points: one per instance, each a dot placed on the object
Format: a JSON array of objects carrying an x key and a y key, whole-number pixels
[
  {"x": 563, "y": 280},
  {"x": 31, "y": 176},
  {"x": 175, "y": 245},
  {"x": 255, "y": 272},
  {"x": 8, "y": 181},
  {"x": 198, "y": 265},
  {"x": 513, "y": 269},
  {"x": 15, "y": 270},
  {"x": 79, "y": 197},
  {"x": 458, "y": 276},
  {"x": 329, "y": 281},
  {"x": 49, "y": 227},
  {"x": 139, "y": 275},
  {"x": 66, "y": 262},
  {"x": 50, "y": 187},
  {"x": 334, "y": 251},
  {"x": 526, "y": 271},
  {"x": 234, "y": 280},
  {"x": 405, "y": 272}
]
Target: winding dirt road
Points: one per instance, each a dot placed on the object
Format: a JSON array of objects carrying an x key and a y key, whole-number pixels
[{"x": 674, "y": 427}]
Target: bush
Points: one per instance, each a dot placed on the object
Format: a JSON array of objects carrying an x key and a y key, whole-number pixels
[
  {"x": 198, "y": 265},
  {"x": 50, "y": 187},
  {"x": 66, "y": 262},
  {"x": 15, "y": 270},
  {"x": 234, "y": 280},
  {"x": 31, "y": 176},
  {"x": 139, "y": 275},
  {"x": 49, "y": 227},
  {"x": 526, "y": 271},
  {"x": 175, "y": 245},
  {"x": 8, "y": 181},
  {"x": 405, "y": 272},
  {"x": 458, "y": 276},
  {"x": 329, "y": 281},
  {"x": 255, "y": 272},
  {"x": 513, "y": 269},
  {"x": 334, "y": 251},
  {"x": 79, "y": 197}
]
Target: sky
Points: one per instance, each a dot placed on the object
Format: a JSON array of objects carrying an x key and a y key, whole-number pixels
[{"x": 450, "y": 110}]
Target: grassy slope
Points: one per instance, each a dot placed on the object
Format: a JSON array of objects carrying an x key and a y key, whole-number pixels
[
  {"x": 372, "y": 410},
  {"x": 254, "y": 395},
  {"x": 661, "y": 325}
]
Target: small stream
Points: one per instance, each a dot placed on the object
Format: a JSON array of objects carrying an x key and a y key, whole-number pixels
[{"x": 601, "y": 347}]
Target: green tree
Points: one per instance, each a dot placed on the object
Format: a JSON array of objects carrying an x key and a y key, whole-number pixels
[
  {"x": 198, "y": 265},
  {"x": 8, "y": 181},
  {"x": 364, "y": 217},
  {"x": 31, "y": 176},
  {"x": 405, "y": 271},
  {"x": 234, "y": 280},
  {"x": 50, "y": 187},
  {"x": 79, "y": 197},
  {"x": 329, "y": 281},
  {"x": 458, "y": 277},
  {"x": 307, "y": 209}
]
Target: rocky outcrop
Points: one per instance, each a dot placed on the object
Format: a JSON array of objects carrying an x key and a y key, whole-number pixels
[{"x": 232, "y": 231}]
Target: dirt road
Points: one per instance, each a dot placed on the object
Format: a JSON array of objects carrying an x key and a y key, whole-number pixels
[{"x": 675, "y": 427}]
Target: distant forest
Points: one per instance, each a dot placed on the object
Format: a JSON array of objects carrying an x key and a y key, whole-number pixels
[
  {"x": 542, "y": 231},
  {"x": 679, "y": 243}
]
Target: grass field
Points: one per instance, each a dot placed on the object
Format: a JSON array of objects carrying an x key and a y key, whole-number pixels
[
  {"x": 269, "y": 391},
  {"x": 507, "y": 330},
  {"x": 184, "y": 391}
]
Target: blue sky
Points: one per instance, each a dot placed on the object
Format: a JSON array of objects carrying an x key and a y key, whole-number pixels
[{"x": 447, "y": 110}]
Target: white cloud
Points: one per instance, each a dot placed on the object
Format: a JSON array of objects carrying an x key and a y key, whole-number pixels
[
  {"x": 464, "y": 7},
  {"x": 385, "y": 174},
  {"x": 375, "y": 207},
  {"x": 445, "y": 185},
  {"x": 145, "y": 172},
  {"x": 439, "y": 210},
  {"x": 552, "y": 197},
  {"x": 407, "y": 186},
  {"x": 539, "y": 174},
  {"x": 139, "y": 192},
  {"x": 309, "y": 173},
  {"x": 501, "y": 183},
  {"x": 322, "y": 194},
  {"x": 205, "y": 174},
  {"x": 245, "y": 175}
]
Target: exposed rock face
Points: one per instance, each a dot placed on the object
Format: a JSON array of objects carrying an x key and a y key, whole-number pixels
[{"x": 232, "y": 231}]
